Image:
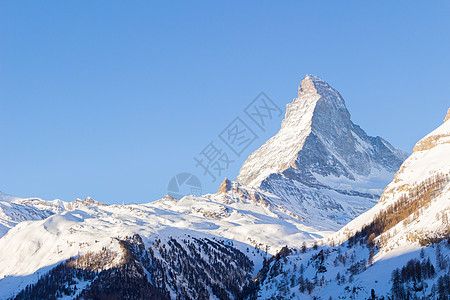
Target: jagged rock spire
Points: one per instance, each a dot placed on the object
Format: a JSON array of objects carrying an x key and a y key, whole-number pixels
[{"x": 311, "y": 84}]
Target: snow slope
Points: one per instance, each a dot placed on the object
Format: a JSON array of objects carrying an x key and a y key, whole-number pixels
[
  {"x": 248, "y": 217},
  {"x": 431, "y": 157},
  {"x": 315, "y": 175},
  {"x": 420, "y": 196},
  {"x": 34, "y": 246},
  {"x": 14, "y": 210}
]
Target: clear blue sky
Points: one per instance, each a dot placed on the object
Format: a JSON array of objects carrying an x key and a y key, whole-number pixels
[{"x": 112, "y": 98}]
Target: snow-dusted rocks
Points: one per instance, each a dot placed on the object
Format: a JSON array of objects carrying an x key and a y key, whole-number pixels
[
  {"x": 14, "y": 210},
  {"x": 319, "y": 161},
  {"x": 399, "y": 249},
  {"x": 447, "y": 117}
]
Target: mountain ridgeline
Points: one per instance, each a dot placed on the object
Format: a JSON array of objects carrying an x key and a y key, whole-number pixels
[{"x": 315, "y": 213}]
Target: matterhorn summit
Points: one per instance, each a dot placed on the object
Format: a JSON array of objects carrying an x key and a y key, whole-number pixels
[{"x": 321, "y": 160}]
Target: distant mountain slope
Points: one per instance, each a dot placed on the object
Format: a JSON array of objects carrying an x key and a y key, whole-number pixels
[
  {"x": 14, "y": 210},
  {"x": 32, "y": 249},
  {"x": 399, "y": 249},
  {"x": 250, "y": 222}
]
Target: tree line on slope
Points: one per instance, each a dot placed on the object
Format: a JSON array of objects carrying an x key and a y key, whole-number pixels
[
  {"x": 189, "y": 268},
  {"x": 410, "y": 280},
  {"x": 417, "y": 198}
]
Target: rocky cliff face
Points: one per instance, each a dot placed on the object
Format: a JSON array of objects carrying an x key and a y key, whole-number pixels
[
  {"x": 437, "y": 137},
  {"x": 320, "y": 156},
  {"x": 447, "y": 117}
]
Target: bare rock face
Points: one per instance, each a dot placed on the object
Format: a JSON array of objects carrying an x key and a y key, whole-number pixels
[
  {"x": 319, "y": 148},
  {"x": 435, "y": 138},
  {"x": 225, "y": 186},
  {"x": 447, "y": 117}
]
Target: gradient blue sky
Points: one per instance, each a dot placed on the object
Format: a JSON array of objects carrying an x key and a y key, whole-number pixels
[{"x": 112, "y": 98}]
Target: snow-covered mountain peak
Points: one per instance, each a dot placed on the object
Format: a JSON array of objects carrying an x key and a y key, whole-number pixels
[
  {"x": 314, "y": 85},
  {"x": 282, "y": 149},
  {"x": 320, "y": 161},
  {"x": 317, "y": 136}
]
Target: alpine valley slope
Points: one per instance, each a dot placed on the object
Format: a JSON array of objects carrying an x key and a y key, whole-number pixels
[
  {"x": 326, "y": 172},
  {"x": 399, "y": 249}
]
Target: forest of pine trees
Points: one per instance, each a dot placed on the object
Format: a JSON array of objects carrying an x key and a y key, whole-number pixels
[
  {"x": 190, "y": 268},
  {"x": 410, "y": 279}
]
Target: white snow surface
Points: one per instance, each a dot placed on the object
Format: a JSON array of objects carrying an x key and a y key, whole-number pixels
[
  {"x": 420, "y": 166},
  {"x": 34, "y": 246},
  {"x": 401, "y": 243}
]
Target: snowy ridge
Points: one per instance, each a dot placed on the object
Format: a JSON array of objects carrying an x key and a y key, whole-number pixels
[
  {"x": 399, "y": 249},
  {"x": 285, "y": 145},
  {"x": 250, "y": 221},
  {"x": 40, "y": 245},
  {"x": 8, "y": 198},
  {"x": 430, "y": 158},
  {"x": 14, "y": 210}
]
